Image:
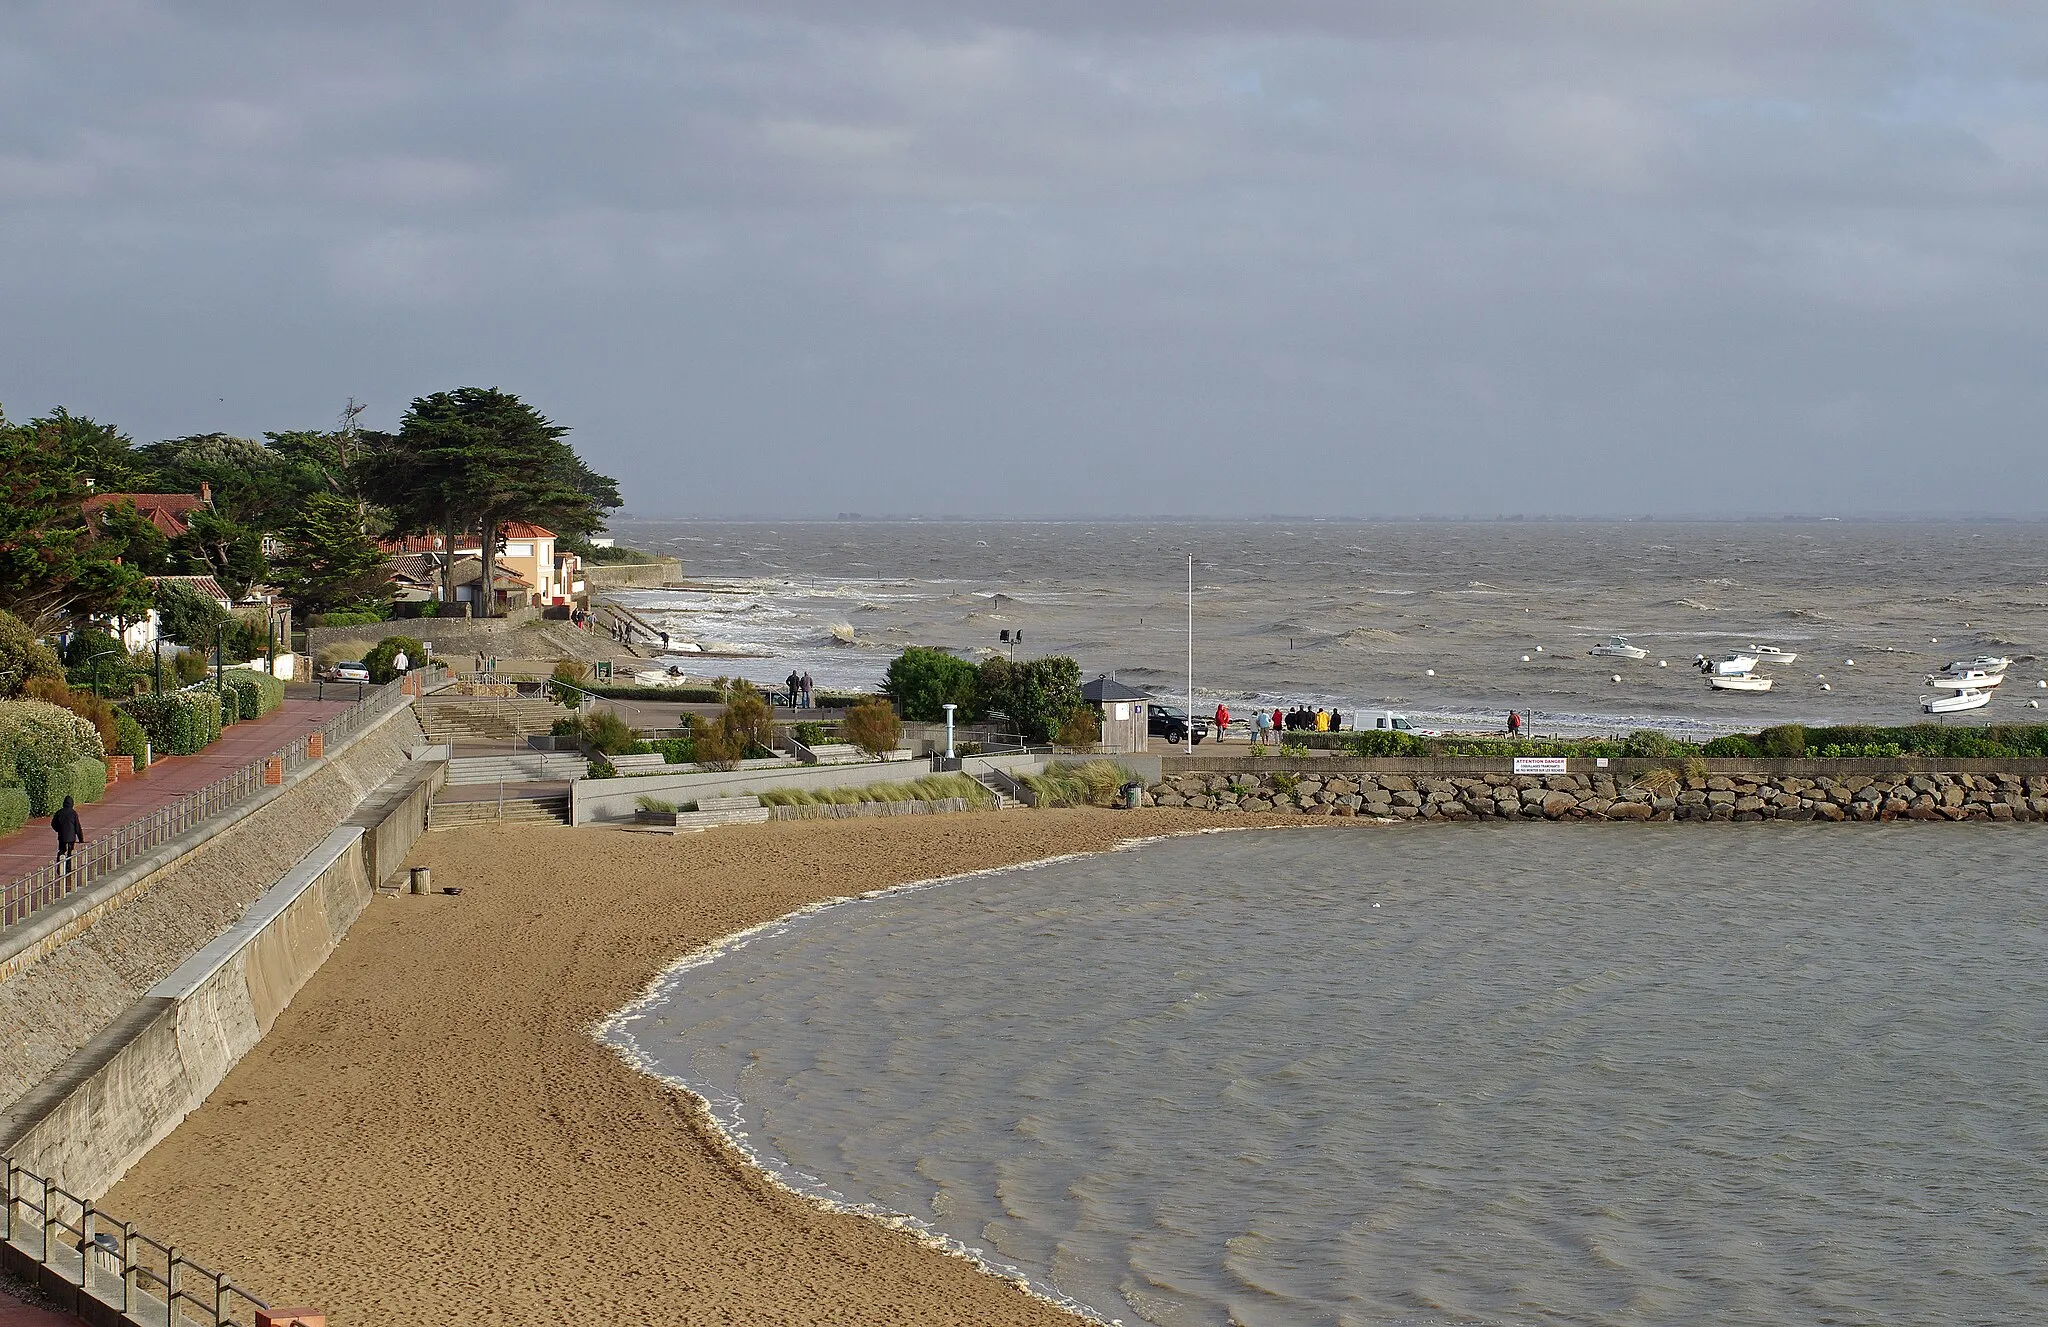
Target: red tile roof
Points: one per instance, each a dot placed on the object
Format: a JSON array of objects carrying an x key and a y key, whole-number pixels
[{"x": 165, "y": 511}]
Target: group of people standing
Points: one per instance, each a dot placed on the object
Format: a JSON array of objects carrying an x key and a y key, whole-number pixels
[
  {"x": 1300, "y": 719},
  {"x": 799, "y": 690}
]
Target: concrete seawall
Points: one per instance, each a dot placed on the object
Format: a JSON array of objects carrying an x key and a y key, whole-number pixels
[{"x": 129, "y": 1087}]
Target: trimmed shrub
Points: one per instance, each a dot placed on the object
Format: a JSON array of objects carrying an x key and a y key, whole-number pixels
[
  {"x": 346, "y": 619},
  {"x": 49, "y": 733},
  {"x": 177, "y": 723},
  {"x": 130, "y": 740},
  {"x": 85, "y": 780},
  {"x": 1735, "y": 744},
  {"x": 230, "y": 701},
  {"x": 255, "y": 694},
  {"x": 13, "y": 809},
  {"x": 378, "y": 659},
  {"x": 1787, "y": 741},
  {"x": 189, "y": 665},
  {"x": 22, "y": 656}
]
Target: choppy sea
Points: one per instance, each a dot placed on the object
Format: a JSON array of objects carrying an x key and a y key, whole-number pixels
[{"x": 1430, "y": 618}]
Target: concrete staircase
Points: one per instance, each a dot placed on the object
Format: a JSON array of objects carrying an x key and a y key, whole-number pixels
[
  {"x": 548, "y": 810},
  {"x": 999, "y": 786},
  {"x": 450, "y": 718},
  {"x": 528, "y": 767}
]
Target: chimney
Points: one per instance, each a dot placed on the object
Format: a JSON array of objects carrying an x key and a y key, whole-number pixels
[{"x": 206, "y": 493}]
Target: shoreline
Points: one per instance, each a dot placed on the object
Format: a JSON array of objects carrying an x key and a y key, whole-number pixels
[
  {"x": 614, "y": 1033},
  {"x": 432, "y": 1130}
]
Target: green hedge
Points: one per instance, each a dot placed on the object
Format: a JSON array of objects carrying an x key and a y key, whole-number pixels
[
  {"x": 85, "y": 779},
  {"x": 13, "y": 809},
  {"x": 178, "y": 723},
  {"x": 379, "y": 656},
  {"x": 254, "y": 694},
  {"x": 130, "y": 740},
  {"x": 39, "y": 745}
]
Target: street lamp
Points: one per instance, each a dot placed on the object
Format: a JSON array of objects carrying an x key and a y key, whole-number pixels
[
  {"x": 94, "y": 662},
  {"x": 949, "y": 707}
]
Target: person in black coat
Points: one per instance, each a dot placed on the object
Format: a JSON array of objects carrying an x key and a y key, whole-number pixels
[{"x": 70, "y": 833}]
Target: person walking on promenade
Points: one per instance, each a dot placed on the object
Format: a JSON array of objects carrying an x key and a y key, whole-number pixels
[
  {"x": 805, "y": 680},
  {"x": 70, "y": 833},
  {"x": 1261, "y": 725},
  {"x": 1222, "y": 723}
]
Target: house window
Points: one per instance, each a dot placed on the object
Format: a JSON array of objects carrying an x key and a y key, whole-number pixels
[{"x": 519, "y": 550}]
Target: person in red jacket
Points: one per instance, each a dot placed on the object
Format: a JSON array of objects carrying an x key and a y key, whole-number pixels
[{"x": 1222, "y": 721}]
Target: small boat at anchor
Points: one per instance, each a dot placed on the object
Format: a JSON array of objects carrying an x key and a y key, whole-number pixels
[
  {"x": 1955, "y": 703},
  {"x": 1772, "y": 654},
  {"x": 1735, "y": 665},
  {"x": 1974, "y": 679},
  {"x": 1739, "y": 682},
  {"x": 1617, "y": 647},
  {"x": 1983, "y": 663}
]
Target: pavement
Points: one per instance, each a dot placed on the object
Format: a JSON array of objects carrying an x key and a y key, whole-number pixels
[
  {"x": 168, "y": 779},
  {"x": 15, "y": 1313}
]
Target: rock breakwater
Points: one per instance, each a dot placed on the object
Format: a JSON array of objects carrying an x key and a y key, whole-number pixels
[{"x": 1660, "y": 795}]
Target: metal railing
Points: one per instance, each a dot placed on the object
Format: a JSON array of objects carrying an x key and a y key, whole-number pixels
[
  {"x": 148, "y": 1282},
  {"x": 26, "y": 895}
]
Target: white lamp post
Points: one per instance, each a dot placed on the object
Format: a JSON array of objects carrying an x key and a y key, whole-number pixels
[{"x": 949, "y": 730}]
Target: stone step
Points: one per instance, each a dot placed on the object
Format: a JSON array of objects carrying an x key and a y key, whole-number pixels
[
  {"x": 513, "y": 810},
  {"x": 529, "y": 768}
]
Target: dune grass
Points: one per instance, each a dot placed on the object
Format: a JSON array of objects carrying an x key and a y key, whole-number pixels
[
  {"x": 931, "y": 788},
  {"x": 1096, "y": 783}
]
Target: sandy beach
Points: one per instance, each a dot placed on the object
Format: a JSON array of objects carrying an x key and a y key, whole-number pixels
[{"x": 430, "y": 1135}]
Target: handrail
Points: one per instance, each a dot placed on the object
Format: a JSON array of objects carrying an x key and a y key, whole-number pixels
[
  {"x": 53, "y": 882},
  {"x": 91, "y": 1258}
]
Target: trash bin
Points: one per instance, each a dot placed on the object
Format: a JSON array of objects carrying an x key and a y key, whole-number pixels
[{"x": 1133, "y": 796}]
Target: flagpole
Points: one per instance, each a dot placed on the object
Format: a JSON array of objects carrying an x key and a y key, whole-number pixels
[{"x": 1191, "y": 657}]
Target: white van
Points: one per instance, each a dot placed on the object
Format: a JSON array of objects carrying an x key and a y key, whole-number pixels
[{"x": 1383, "y": 720}]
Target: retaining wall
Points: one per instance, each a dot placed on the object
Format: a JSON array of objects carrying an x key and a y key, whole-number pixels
[
  {"x": 631, "y": 575},
  {"x": 602, "y": 800},
  {"x": 129, "y": 1087}
]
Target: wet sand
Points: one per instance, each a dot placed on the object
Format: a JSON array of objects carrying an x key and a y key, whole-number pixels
[{"x": 430, "y": 1134}]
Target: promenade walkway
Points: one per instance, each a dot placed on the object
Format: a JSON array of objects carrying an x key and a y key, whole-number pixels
[
  {"x": 14, "y": 1313},
  {"x": 170, "y": 778}
]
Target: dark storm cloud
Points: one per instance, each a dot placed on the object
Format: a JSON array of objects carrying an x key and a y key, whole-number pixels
[{"x": 996, "y": 256}]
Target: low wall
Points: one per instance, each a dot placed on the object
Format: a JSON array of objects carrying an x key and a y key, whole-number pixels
[
  {"x": 132, "y": 1085},
  {"x": 631, "y": 575},
  {"x": 126, "y": 1089},
  {"x": 1656, "y": 792},
  {"x": 606, "y": 800}
]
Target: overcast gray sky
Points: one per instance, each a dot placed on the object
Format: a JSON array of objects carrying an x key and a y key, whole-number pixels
[{"x": 988, "y": 256}]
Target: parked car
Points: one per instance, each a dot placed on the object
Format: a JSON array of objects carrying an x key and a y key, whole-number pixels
[
  {"x": 355, "y": 671},
  {"x": 1172, "y": 724}
]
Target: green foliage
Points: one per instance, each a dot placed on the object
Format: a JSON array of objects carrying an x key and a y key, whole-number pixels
[
  {"x": 810, "y": 733},
  {"x": 1649, "y": 744},
  {"x": 254, "y": 694},
  {"x": 1787, "y": 741},
  {"x": 600, "y": 768},
  {"x": 229, "y": 699},
  {"x": 40, "y": 745},
  {"x": 656, "y": 805},
  {"x": 931, "y": 788},
  {"x": 607, "y": 734},
  {"x": 1037, "y": 694},
  {"x": 1734, "y": 744},
  {"x": 349, "y": 618},
  {"x": 189, "y": 666},
  {"x": 873, "y": 727},
  {"x": 188, "y": 617},
  {"x": 329, "y": 563},
  {"x": 570, "y": 681},
  {"x": 177, "y": 723},
  {"x": 219, "y": 546},
  {"x": 380, "y": 658},
  {"x": 675, "y": 750},
  {"x": 52, "y": 566},
  {"x": 1096, "y": 783},
  {"x": 84, "y": 780},
  {"x": 475, "y": 458},
  {"x": 130, "y": 740},
  {"x": 22, "y": 656},
  {"x": 922, "y": 681},
  {"x": 14, "y": 808}
]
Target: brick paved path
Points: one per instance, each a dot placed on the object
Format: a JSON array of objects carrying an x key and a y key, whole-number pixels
[{"x": 170, "y": 778}]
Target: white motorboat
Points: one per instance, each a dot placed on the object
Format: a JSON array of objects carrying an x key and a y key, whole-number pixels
[
  {"x": 1983, "y": 663},
  {"x": 1739, "y": 682},
  {"x": 1617, "y": 647},
  {"x": 1956, "y": 702},
  {"x": 1735, "y": 665},
  {"x": 1772, "y": 654},
  {"x": 1975, "y": 679}
]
